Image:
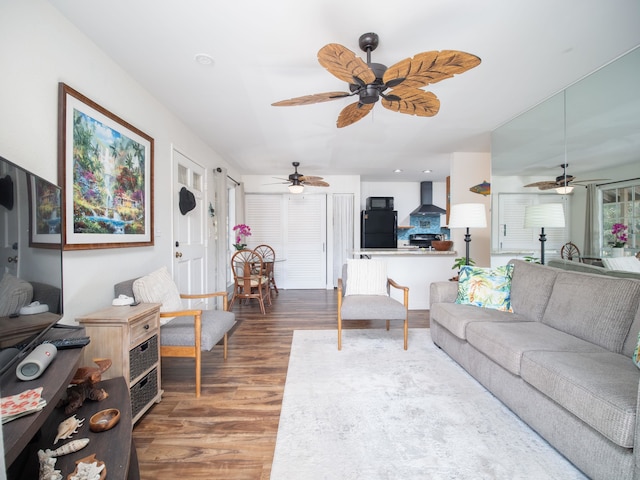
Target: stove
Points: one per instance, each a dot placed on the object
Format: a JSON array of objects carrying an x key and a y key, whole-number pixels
[{"x": 422, "y": 240}]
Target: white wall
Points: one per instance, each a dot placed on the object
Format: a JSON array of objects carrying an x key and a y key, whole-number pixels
[
  {"x": 39, "y": 49},
  {"x": 468, "y": 170}
]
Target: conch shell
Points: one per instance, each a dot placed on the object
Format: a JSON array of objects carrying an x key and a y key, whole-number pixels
[
  {"x": 72, "y": 446},
  {"x": 67, "y": 428}
]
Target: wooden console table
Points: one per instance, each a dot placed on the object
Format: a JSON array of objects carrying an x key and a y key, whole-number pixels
[
  {"x": 114, "y": 447},
  {"x": 130, "y": 337}
]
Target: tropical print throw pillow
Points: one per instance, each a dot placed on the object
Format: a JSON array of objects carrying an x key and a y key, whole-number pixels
[{"x": 486, "y": 287}]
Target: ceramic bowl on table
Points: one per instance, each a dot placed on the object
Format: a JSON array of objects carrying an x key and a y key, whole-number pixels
[{"x": 442, "y": 245}]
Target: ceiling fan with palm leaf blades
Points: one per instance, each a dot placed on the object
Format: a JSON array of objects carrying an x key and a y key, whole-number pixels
[
  {"x": 370, "y": 81},
  {"x": 563, "y": 183},
  {"x": 298, "y": 181}
]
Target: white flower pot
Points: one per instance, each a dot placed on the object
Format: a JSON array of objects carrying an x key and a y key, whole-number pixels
[{"x": 617, "y": 251}]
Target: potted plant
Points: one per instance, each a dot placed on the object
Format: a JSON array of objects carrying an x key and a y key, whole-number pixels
[
  {"x": 458, "y": 263},
  {"x": 242, "y": 231}
]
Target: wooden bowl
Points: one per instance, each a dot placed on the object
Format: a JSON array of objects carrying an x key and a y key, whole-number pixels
[
  {"x": 442, "y": 245},
  {"x": 104, "y": 420}
]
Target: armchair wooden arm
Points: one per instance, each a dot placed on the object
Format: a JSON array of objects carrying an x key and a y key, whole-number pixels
[{"x": 193, "y": 351}]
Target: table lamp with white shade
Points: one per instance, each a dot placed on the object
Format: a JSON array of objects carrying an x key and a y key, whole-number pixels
[
  {"x": 468, "y": 215},
  {"x": 549, "y": 215}
]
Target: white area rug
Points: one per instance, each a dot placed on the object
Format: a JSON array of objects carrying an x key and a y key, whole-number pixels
[{"x": 374, "y": 411}]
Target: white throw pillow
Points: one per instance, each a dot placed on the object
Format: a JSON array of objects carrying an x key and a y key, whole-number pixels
[
  {"x": 629, "y": 264},
  {"x": 366, "y": 277},
  {"x": 158, "y": 287}
]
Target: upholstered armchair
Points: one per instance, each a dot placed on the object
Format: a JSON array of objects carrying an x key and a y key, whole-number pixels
[
  {"x": 183, "y": 332},
  {"x": 363, "y": 294}
]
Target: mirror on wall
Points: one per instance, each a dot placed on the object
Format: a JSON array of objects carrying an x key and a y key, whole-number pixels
[{"x": 593, "y": 126}]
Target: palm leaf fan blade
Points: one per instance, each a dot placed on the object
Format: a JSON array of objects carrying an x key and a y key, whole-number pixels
[
  {"x": 430, "y": 67},
  {"x": 311, "y": 99},
  {"x": 344, "y": 64},
  {"x": 352, "y": 113},
  {"x": 316, "y": 183},
  {"x": 413, "y": 101}
]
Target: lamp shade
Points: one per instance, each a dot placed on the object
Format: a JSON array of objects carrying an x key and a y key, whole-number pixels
[
  {"x": 544, "y": 215},
  {"x": 468, "y": 215}
]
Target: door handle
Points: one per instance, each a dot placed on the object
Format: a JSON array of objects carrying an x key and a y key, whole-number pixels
[{"x": 178, "y": 254}]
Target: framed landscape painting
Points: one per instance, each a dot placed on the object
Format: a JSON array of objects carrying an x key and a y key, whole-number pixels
[
  {"x": 45, "y": 219},
  {"x": 105, "y": 168}
]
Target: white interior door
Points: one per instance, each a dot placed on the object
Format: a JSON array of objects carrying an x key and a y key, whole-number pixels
[
  {"x": 306, "y": 250},
  {"x": 295, "y": 226},
  {"x": 189, "y": 229}
]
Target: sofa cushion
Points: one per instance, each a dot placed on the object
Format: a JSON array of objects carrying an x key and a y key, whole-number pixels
[
  {"x": 485, "y": 287},
  {"x": 374, "y": 307},
  {"x": 527, "y": 278},
  {"x": 600, "y": 388},
  {"x": 505, "y": 343},
  {"x": 594, "y": 308},
  {"x": 215, "y": 323},
  {"x": 455, "y": 317}
]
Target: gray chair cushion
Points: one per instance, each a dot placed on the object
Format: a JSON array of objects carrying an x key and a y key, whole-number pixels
[
  {"x": 215, "y": 323},
  {"x": 179, "y": 331},
  {"x": 599, "y": 388},
  {"x": 372, "y": 307}
]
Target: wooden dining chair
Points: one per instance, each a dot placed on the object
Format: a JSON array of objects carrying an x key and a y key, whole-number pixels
[
  {"x": 268, "y": 257},
  {"x": 570, "y": 251},
  {"x": 249, "y": 281}
]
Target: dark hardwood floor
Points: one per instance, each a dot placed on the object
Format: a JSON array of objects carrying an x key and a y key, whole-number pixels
[{"x": 230, "y": 431}]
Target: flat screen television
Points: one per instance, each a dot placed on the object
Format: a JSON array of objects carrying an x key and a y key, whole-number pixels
[{"x": 31, "y": 260}]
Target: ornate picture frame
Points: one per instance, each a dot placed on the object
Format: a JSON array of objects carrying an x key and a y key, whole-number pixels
[{"x": 105, "y": 168}]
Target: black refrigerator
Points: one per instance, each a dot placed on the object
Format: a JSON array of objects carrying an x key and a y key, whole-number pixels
[{"x": 379, "y": 229}]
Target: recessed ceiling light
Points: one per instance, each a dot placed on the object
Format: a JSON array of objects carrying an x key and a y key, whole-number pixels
[
  {"x": 426, "y": 171},
  {"x": 204, "y": 59},
  {"x": 397, "y": 170}
]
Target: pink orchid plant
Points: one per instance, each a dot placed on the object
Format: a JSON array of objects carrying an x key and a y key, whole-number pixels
[
  {"x": 620, "y": 236},
  {"x": 242, "y": 231}
]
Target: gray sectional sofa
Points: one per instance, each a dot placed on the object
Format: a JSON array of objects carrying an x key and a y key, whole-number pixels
[
  {"x": 586, "y": 268},
  {"x": 562, "y": 360}
]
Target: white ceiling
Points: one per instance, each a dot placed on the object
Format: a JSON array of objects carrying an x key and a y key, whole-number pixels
[{"x": 265, "y": 51}]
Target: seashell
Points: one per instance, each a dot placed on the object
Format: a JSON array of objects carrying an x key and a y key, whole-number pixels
[
  {"x": 47, "y": 467},
  {"x": 88, "y": 468},
  {"x": 72, "y": 446},
  {"x": 67, "y": 428}
]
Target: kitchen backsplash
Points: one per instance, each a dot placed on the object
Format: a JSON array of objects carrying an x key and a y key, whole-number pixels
[{"x": 423, "y": 224}]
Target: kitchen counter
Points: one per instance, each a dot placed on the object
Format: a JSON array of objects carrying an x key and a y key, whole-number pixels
[
  {"x": 402, "y": 251},
  {"x": 415, "y": 268}
]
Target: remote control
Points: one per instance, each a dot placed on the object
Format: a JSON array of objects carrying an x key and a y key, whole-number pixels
[{"x": 65, "y": 343}]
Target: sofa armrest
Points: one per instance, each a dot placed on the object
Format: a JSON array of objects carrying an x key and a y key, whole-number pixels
[{"x": 443, "y": 292}]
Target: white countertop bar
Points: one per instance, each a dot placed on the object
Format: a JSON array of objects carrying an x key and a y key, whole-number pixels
[{"x": 402, "y": 251}]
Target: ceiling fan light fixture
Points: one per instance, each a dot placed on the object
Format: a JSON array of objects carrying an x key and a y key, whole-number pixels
[
  {"x": 565, "y": 190},
  {"x": 296, "y": 187}
]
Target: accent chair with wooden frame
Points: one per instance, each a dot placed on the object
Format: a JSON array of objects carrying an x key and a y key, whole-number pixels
[
  {"x": 184, "y": 333},
  {"x": 363, "y": 294}
]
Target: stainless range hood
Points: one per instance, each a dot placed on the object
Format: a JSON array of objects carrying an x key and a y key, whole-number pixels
[{"x": 426, "y": 201}]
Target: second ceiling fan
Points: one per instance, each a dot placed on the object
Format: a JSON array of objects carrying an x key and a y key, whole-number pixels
[{"x": 370, "y": 81}]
